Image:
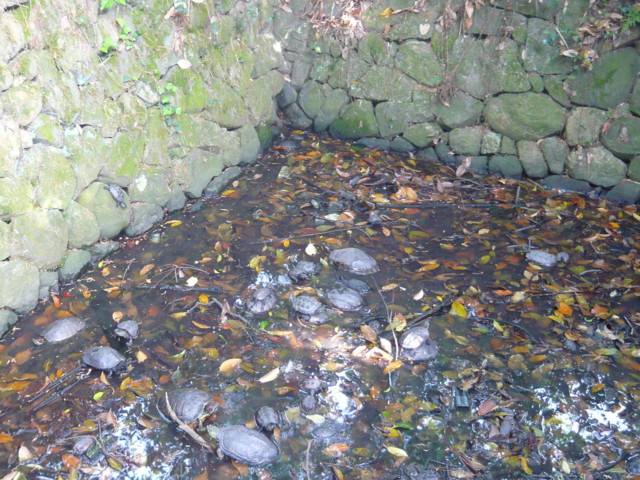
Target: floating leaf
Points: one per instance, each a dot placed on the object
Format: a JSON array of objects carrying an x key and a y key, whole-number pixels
[
  {"x": 368, "y": 333},
  {"x": 458, "y": 309},
  {"x": 98, "y": 395},
  {"x": 386, "y": 13},
  {"x": 270, "y": 377},
  {"x": 5, "y": 438},
  {"x": 311, "y": 249},
  {"x": 486, "y": 407},
  {"x": 71, "y": 462},
  {"x": 419, "y": 295},
  {"x": 392, "y": 366},
  {"x": 336, "y": 449},
  {"x": 146, "y": 269},
  {"x": 317, "y": 419},
  {"x": 230, "y": 365},
  {"x": 173, "y": 223},
  {"x": 140, "y": 356},
  {"x": 192, "y": 281},
  {"x": 396, "y": 452}
]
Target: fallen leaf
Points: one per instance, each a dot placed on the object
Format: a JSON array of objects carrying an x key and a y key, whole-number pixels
[
  {"x": 336, "y": 449},
  {"x": 392, "y": 366},
  {"x": 368, "y": 333},
  {"x": 270, "y": 377},
  {"x": 396, "y": 452},
  {"x": 230, "y": 365},
  {"x": 146, "y": 269}
]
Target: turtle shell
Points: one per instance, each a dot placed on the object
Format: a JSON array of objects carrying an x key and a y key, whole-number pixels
[
  {"x": 62, "y": 329},
  {"x": 188, "y": 403},
  {"x": 246, "y": 445},
  {"x": 262, "y": 300},
  {"x": 345, "y": 299},
  {"x": 303, "y": 270},
  {"x": 102, "y": 358},
  {"x": 305, "y": 304},
  {"x": 128, "y": 330},
  {"x": 414, "y": 337},
  {"x": 267, "y": 418},
  {"x": 354, "y": 260}
]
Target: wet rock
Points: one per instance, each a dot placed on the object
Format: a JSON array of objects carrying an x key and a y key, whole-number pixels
[
  {"x": 357, "y": 120},
  {"x": 625, "y": 192},
  {"x": 566, "y": 184},
  {"x": 40, "y": 236},
  {"x": 73, "y": 264},
  {"x": 7, "y": 319},
  {"x": 584, "y": 126},
  {"x": 622, "y": 138},
  {"x": 111, "y": 218},
  {"x": 506, "y": 165},
  {"x": 532, "y": 159},
  {"x": 82, "y": 445},
  {"x": 354, "y": 260},
  {"x": 143, "y": 217}
]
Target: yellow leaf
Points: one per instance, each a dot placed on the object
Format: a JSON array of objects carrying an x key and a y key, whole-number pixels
[
  {"x": 230, "y": 365},
  {"x": 270, "y": 377},
  {"x": 178, "y": 315},
  {"x": 117, "y": 316},
  {"x": 286, "y": 243},
  {"x": 226, "y": 193},
  {"x": 337, "y": 473},
  {"x": 125, "y": 383},
  {"x": 103, "y": 379},
  {"x": 525, "y": 467},
  {"x": 419, "y": 295},
  {"x": 173, "y": 223},
  {"x": 315, "y": 418},
  {"x": 386, "y": 13},
  {"x": 389, "y": 286},
  {"x": 86, "y": 294},
  {"x": 203, "y": 298},
  {"x": 199, "y": 325},
  {"x": 146, "y": 269},
  {"x": 458, "y": 309},
  {"x": 141, "y": 356},
  {"x": 396, "y": 452},
  {"x": 392, "y": 366}
]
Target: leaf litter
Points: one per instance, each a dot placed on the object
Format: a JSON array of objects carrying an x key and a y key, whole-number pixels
[{"x": 537, "y": 371}]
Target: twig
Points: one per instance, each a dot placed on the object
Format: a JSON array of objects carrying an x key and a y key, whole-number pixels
[
  {"x": 307, "y": 468},
  {"x": 54, "y": 384},
  {"x": 178, "y": 288},
  {"x": 436, "y": 205},
  {"x": 220, "y": 305},
  {"x": 186, "y": 428},
  {"x": 56, "y": 395},
  {"x": 519, "y": 327},
  {"x": 433, "y": 310},
  {"x": 126, "y": 270}
]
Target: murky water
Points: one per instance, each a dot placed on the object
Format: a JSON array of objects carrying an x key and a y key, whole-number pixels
[{"x": 535, "y": 372}]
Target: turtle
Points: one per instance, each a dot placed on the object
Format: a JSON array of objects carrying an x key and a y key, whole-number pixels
[
  {"x": 305, "y": 304},
  {"x": 83, "y": 444},
  {"x": 261, "y": 301},
  {"x": 103, "y": 358},
  {"x": 345, "y": 299},
  {"x": 545, "y": 259},
  {"x": 417, "y": 345},
  {"x": 60, "y": 330},
  {"x": 303, "y": 271},
  {"x": 127, "y": 330},
  {"x": 356, "y": 284},
  {"x": 117, "y": 193},
  {"x": 267, "y": 418},
  {"x": 244, "y": 444},
  {"x": 187, "y": 403},
  {"x": 354, "y": 260},
  {"x": 313, "y": 385},
  {"x": 414, "y": 337}
]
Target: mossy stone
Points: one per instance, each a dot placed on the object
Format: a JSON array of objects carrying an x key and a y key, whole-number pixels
[
  {"x": 422, "y": 135},
  {"x": 634, "y": 101},
  {"x": 584, "y": 125},
  {"x": 87, "y": 152},
  {"x": 466, "y": 141},
  {"x": 597, "y": 166},
  {"x": 623, "y": 137},
  {"x": 249, "y": 144},
  {"x": 634, "y": 169},
  {"x": 506, "y": 165},
  {"x": 134, "y": 111},
  {"x": 196, "y": 170},
  {"x": 543, "y": 49},
  {"x": 226, "y": 106},
  {"x": 39, "y": 236},
  {"x": 532, "y": 159},
  {"x": 63, "y": 98},
  {"x": 490, "y": 143},
  {"x": 625, "y": 192},
  {"x": 143, "y": 217},
  {"x": 357, "y": 120},
  {"x": 311, "y": 98},
  {"x": 6, "y": 77},
  {"x": 19, "y": 285},
  {"x": 296, "y": 118},
  {"x": 124, "y": 159},
  {"x": 609, "y": 82},
  {"x": 553, "y": 84},
  {"x": 51, "y": 175},
  {"x": 23, "y": 103},
  {"x": 524, "y": 116},
  {"x": 110, "y": 217},
  {"x": 555, "y": 153},
  {"x": 463, "y": 110},
  {"x": 192, "y": 95},
  {"x": 417, "y": 60},
  {"x": 10, "y": 146},
  {"x": 150, "y": 186},
  {"x": 82, "y": 225},
  {"x": 5, "y": 249},
  {"x": 7, "y": 319},
  {"x": 177, "y": 198},
  {"x": 16, "y": 197},
  {"x": 73, "y": 264},
  {"x": 46, "y": 129},
  {"x": 334, "y": 101},
  {"x": 382, "y": 83}
]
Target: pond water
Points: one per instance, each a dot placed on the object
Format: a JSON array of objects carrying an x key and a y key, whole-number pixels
[{"x": 536, "y": 372}]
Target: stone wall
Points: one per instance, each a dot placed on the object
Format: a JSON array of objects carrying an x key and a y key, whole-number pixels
[
  {"x": 496, "y": 89},
  {"x": 155, "y": 99}
]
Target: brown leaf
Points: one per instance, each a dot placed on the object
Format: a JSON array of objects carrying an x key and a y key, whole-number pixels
[
  {"x": 336, "y": 449},
  {"x": 71, "y": 462},
  {"x": 368, "y": 333},
  {"x": 392, "y": 366},
  {"x": 5, "y": 438},
  {"x": 486, "y": 407},
  {"x": 146, "y": 269},
  {"x": 230, "y": 365}
]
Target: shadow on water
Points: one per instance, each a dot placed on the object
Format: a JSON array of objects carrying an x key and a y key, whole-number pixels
[{"x": 535, "y": 374}]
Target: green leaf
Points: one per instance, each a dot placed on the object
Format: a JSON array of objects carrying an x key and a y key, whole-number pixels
[
  {"x": 406, "y": 425},
  {"x": 98, "y": 396}
]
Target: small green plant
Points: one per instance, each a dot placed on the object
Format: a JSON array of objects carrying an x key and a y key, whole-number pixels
[
  {"x": 108, "y": 44},
  {"x": 169, "y": 111},
  {"x": 631, "y": 17},
  {"x": 127, "y": 36},
  {"x": 104, "y": 4}
]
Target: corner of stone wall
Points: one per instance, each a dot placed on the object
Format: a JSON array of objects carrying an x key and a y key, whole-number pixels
[{"x": 111, "y": 118}]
